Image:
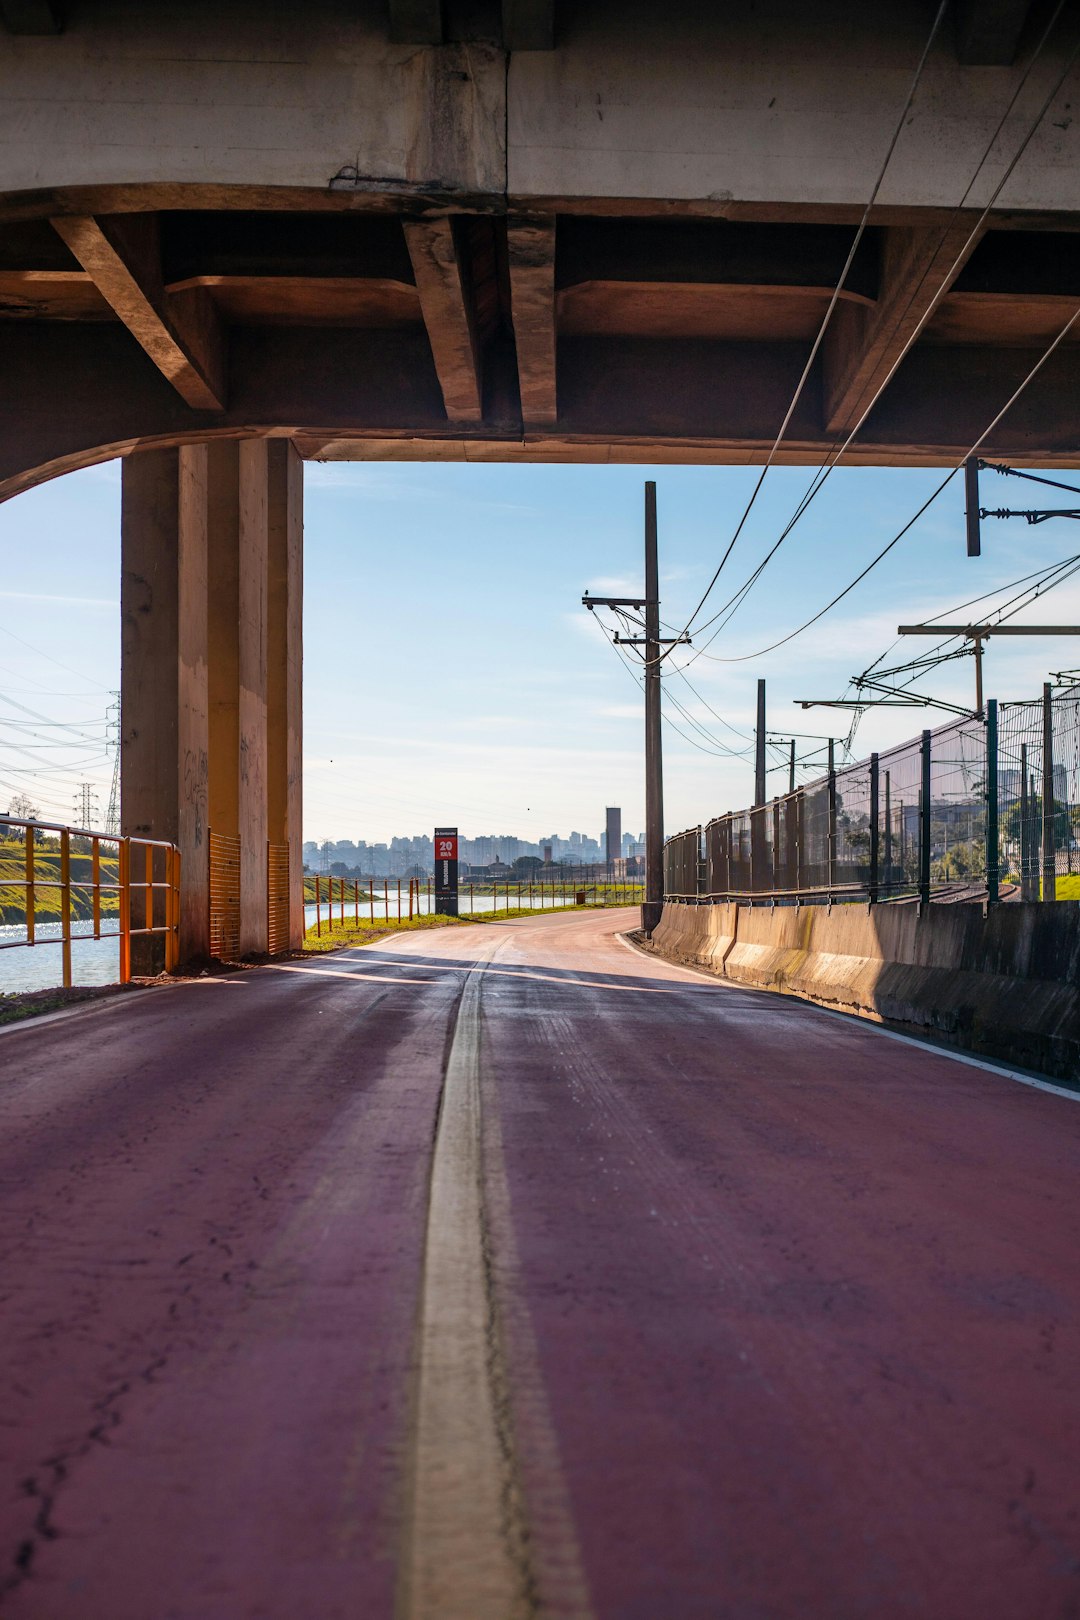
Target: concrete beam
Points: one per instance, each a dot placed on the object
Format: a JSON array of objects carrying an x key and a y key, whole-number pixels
[
  {"x": 528, "y": 25},
  {"x": 988, "y": 31},
  {"x": 444, "y": 301},
  {"x": 179, "y": 331},
  {"x": 531, "y": 245},
  {"x": 416, "y": 22},
  {"x": 163, "y": 679},
  {"x": 284, "y": 698},
  {"x": 30, "y": 17},
  {"x": 863, "y": 345}
]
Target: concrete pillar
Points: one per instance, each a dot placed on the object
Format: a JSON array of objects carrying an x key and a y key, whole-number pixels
[
  {"x": 284, "y": 720},
  {"x": 237, "y": 539},
  {"x": 163, "y": 681}
]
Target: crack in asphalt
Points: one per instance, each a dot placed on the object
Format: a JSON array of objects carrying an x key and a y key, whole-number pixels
[{"x": 57, "y": 1471}]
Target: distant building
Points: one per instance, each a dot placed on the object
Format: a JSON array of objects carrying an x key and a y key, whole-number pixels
[{"x": 613, "y": 836}]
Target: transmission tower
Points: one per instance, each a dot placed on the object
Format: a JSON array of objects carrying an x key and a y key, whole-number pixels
[
  {"x": 86, "y": 805},
  {"x": 112, "y": 819}
]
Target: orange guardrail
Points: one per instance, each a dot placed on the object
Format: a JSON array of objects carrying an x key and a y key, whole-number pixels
[{"x": 135, "y": 880}]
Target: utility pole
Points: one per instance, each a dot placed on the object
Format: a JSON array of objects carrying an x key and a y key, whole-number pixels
[
  {"x": 759, "y": 747},
  {"x": 630, "y": 609},
  {"x": 654, "y": 743}
]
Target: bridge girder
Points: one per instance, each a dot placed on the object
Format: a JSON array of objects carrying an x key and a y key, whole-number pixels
[{"x": 620, "y": 248}]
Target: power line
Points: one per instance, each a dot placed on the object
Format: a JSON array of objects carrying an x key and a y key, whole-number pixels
[
  {"x": 822, "y": 473},
  {"x": 719, "y": 750},
  {"x": 884, "y": 552},
  {"x": 838, "y": 289},
  {"x": 42, "y": 654}
]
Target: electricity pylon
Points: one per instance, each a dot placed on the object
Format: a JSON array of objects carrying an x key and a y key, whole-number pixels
[
  {"x": 86, "y": 805},
  {"x": 112, "y": 819}
]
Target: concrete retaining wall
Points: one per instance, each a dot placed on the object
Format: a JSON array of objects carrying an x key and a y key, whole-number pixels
[{"x": 1005, "y": 984}]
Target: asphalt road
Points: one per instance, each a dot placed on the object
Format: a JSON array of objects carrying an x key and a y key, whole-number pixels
[{"x": 506, "y": 1272}]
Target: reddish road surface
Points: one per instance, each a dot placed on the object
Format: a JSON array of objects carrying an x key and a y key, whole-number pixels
[{"x": 688, "y": 1302}]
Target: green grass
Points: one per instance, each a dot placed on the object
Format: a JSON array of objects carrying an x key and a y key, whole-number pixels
[
  {"x": 22, "y": 1004},
  {"x": 339, "y": 937},
  {"x": 47, "y": 895}
]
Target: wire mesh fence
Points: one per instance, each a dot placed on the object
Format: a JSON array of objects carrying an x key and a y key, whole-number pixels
[{"x": 984, "y": 807}]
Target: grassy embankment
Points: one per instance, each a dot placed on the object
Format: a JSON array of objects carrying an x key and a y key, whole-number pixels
[
  {"x": 47, "y": 883},
  {"x": 337, "y": 937}
]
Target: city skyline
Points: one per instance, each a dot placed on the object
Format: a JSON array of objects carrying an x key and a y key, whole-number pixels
[{"x": 398, "y": 855}]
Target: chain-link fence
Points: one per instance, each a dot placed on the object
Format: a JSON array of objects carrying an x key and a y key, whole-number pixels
[{"x": 982, "y": 807}]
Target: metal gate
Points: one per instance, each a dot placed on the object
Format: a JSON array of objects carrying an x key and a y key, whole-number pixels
[
  {"x": 224, "y": 897},
  {"x": 277, "y": 898}
]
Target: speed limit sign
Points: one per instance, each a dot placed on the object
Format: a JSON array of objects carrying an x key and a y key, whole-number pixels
[{"x": 446, "y": 871}]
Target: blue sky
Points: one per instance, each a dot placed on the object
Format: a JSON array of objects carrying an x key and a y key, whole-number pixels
[{"x": 451, "y": 674}]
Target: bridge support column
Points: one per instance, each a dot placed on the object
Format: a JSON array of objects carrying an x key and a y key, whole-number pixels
[
  {"x": 212, "y": 599},
  {"x": 284, "y": 680},
  {"x": 237, "y": 547},
  {"x": 163, "y": 698}
]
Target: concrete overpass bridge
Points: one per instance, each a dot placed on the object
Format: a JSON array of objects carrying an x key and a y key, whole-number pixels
[
  {"x": 233, "y": 237},
  {"x": 508, "y": 1273}
]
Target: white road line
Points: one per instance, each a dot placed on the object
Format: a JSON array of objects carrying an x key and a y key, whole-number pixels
[
  {"x": 852, "y": 1020},
  {"x": 465, "y": 1552}
]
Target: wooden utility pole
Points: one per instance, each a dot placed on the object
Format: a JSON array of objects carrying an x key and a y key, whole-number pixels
[
  {"x": 654, "y": 759},
  {"x": 759, "y": 749},
  {"x": 629, "y": 609}
]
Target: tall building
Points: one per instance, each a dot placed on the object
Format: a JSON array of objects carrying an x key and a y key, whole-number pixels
[{"x": 613, "y": 836}]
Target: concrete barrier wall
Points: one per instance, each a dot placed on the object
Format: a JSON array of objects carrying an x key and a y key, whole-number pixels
[{"x": 1005, "y": 983}]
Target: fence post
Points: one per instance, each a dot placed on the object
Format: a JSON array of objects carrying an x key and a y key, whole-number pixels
[
  {"x": 31, "y": 896},
  {"x": 65, "y": 904},
  {"x": 832, "y": 832},
  {"x": 924, "y": 823},
  {"x": 875, "y": 829},
  {"x": 124, "y": 875},
  {"x": 1025, "y": 830},
  {"x": 800, "y": 838},
  {"x": 992, "y": 860},
  {"x": 888, "y": 831},
  {"x": 95, "y": 880},
  {"x": 1049, "y": 860}
]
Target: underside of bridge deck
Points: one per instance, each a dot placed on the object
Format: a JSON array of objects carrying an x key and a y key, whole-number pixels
[{"x": 533, "y": 233}]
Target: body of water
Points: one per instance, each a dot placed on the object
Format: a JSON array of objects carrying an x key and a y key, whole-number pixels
[
  {"x": 97, "y": 961},
  {"x": 41, "y": 967}
]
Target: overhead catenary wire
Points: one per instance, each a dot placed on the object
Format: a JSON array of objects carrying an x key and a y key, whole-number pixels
[{"x": 1048, "y": 579}]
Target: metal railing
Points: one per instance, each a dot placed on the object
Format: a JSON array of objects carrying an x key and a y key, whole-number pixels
[
  {"x": 64, "y": 875},
  {"x": 375, "y": 900},
  {"x": 984, "y": 807}
]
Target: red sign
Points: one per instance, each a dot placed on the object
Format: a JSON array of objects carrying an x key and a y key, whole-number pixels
[{"x": 446, "y": 848}]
